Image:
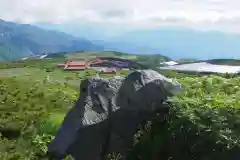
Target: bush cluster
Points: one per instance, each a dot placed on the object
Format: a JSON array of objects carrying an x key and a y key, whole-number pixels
[
  {"x": 30, "y": 114},
  {"x": 203, "y": 122}
]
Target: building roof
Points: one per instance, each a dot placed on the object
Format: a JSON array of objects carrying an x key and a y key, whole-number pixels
[
  {"x": 120, "y": 63},
  {"x": 77, "y": 63},
  {"x": 131, "y": 63},
  {"x": 74, "y": 68},
  {"x": 112, "y": 63},
  {"x": 73, "y": 64},
  {"x": 204, "y": 67}
]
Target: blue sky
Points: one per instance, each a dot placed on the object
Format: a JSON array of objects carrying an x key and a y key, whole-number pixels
[{"x": 223, "y": 15}]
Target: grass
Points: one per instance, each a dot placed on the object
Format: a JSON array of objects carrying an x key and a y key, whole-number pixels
[
  {"x": 56, "y": 76},
  {"x": 51, "y": 123},
  {"x": 204, "y": 121},
  {"x": 30, "y": 113}
]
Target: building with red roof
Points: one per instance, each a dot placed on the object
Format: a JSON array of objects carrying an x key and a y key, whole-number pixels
[
  {"x": 73, "y": 65},
  {"x": 75, "y": 68}
]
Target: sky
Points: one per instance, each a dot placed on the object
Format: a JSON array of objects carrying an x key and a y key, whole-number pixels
[{"x": 223, "y": 15}]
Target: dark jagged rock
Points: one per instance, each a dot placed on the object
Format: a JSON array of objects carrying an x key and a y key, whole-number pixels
[{"x": 110, "y": 108}]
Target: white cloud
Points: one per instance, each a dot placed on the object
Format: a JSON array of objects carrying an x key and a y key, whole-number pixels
[{"x": 145, "y": 13}]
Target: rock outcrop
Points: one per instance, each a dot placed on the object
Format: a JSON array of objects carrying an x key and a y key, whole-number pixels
[{"x": 110, "y": 109}]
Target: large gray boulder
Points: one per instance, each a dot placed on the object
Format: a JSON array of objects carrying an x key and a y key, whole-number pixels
[{"x": 110, "y": 109}]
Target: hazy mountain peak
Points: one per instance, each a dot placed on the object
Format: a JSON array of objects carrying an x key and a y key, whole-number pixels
[{"x": 20, "y": 40}]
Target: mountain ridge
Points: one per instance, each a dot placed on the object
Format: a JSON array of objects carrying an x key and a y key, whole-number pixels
[
  {"x": 21, "y": 40},
  {"x": 175, "y": 42},
  {"x": 182, "y": 43}
]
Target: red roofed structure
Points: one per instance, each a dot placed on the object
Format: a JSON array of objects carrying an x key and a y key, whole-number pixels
[
  {"x": 73, "y": 65},
  {"x": 75, "y": 68},
  {"x": 77, "y": 64}
]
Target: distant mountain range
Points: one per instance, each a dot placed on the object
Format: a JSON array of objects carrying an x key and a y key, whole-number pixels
[
  {"x": 173, "y": 42},
  {"x": 22, "y": 40},
  {"x": 183, "y": 43}
]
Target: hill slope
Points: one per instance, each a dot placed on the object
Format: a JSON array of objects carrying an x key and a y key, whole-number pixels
[
  {"x": 20, "y": 40},
  {"x": 150, "y": 60}
]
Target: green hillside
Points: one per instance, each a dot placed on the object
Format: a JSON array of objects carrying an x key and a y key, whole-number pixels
[
  {"x": 204, "y": 121},
  {"x": 150, "y": 60}
]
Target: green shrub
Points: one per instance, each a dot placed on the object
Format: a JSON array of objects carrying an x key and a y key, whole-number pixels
[
  {"x": 29, "y": 109},
  {"x": 203, "y": 123}
]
